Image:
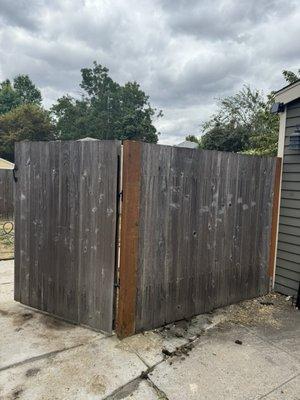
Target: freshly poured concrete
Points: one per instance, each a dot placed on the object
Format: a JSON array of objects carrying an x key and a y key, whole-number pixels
[{"x": 45, "y": 358}]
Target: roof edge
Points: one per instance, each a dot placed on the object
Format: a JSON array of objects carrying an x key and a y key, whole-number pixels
[{"x": 288, "y": 93}]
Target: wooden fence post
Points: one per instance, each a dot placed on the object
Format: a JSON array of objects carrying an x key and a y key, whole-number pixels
[
  {"x": 275, "y": 217},
  {"x": 126, "y": 308}
]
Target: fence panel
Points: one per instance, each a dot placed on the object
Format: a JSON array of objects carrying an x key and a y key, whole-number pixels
[
  {"x": 6, "y": 194},
  {"x": 66, "y": 206},
  {"x": 195, "y": 232},
  {"x": 6, "y": 214}
]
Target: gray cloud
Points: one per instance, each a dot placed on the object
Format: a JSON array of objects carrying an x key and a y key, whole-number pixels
[
  {"x": 184, "y": 53},
  {"x": 24, "y": 15},
  {"x": 219, "y": 20}
]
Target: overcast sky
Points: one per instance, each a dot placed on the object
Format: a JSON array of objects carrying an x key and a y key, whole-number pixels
[{"x": 184, "y": 53}]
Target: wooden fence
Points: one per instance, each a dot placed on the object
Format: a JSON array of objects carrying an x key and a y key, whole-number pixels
[
  {"x": 196, "y": 232},
  {"x": 196, "y": 229},
  {"x": 66, "y": 203},
  {"x": 6, "y": 194}
]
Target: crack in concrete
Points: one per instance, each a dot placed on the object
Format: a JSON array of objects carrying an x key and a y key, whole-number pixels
[
  {"x": 47, "y": 355},
  {"x": 252, "y": 331},
  {"x": 131, "y": 386},
  {"x": 40, "y": 357},
  {"x": 124, "y": 390},
  {"x": 280, "y": 386},
  {"x": 160, "y": 393}
]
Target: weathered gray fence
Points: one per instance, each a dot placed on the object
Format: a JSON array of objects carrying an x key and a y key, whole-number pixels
[
  {"x": 6, "y": 194},
  {"x": 196, "y": 230},
  {"x": 66, "y": 203}
]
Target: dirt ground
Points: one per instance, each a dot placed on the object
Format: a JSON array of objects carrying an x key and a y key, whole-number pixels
[{"x": 250, "y": 350}]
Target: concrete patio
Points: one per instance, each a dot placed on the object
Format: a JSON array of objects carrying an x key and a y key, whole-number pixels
[{"x": 245, "y": 351}]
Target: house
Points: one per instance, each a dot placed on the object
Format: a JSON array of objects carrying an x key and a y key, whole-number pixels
[
  {"x": 188, "y": 144},
  {"x": 4, "y": 164},
  {"x": 287, "y": 273}
]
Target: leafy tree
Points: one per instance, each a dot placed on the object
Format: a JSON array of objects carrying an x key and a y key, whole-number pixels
[
  {"x": 106, "y": 110},
  {"x": 25, "y": 122},
  {"x": 20, "y": 91},
  {"x": 192, "y": 138},
  {"x": 26, "y": 90},
  {"x": 243, "y": 123},
  {"x": 290, "y": 76},
  {"x": 225, "y": 138},
  {"x": 9, "y": 99}
]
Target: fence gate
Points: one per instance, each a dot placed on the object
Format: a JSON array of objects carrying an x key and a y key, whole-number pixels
[{"x": 65, "y": 217}]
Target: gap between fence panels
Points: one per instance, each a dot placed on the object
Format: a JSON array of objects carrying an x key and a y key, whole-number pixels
[{"x": 131, "y": 237}]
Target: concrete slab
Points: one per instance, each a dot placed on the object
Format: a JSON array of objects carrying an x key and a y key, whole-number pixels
[
  {"x": 45, "y": 358},
  {"x": 30, "y": 334},
  {"x": 137, "y": 390},
  {"x": 289, "y": 391},
  {"x": 26, "y": 333},
  {"x": 89, "y": 372},
  {"x": 151, "y": 345},
  {"x": 221, "y": 369},
  {"x": 6, "y": 293},
  {"x": 6, "y": 271},
  {"x": 143, "y": 392},
  {"x": 283, "y": 333}
]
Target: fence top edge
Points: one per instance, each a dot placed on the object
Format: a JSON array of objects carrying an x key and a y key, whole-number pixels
[
  {"x": 67, "y": 141},
  {"x": 186, "y": 149},
  {"x": 144, "y": 144}
]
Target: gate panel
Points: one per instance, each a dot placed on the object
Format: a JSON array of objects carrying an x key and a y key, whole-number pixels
[{"x": 66, "y": 208}]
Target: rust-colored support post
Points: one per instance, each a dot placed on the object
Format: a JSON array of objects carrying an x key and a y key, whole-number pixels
[
  {"x": 275, "y": 217},
  {"x": 125, "y": 325}
]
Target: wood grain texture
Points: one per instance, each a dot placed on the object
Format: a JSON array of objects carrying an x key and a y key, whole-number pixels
[
  {"x": 204, "y": 231},
  {"x": 65, "y": 229},
  {"x": 275, "y": 217},
  {"x": 6, "y": 194},
  {"x": 126, "y": 307}
]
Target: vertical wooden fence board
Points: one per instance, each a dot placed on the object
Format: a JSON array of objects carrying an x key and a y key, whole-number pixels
[
  {"x": 126, "y": 312},
  {"x": 24, "y": 224},
  {"x": 17, "y": 217},
  {"x": 98, "y": 233},
  {"x": 275, "y": 216},
  {"x": 65, "y": 229},
  {"x": 204, "y": 222},
  {"x": 6, "y": 194}
]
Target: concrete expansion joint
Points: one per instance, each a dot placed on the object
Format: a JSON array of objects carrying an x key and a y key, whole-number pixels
[
  {"x": 50, "y": 354},
  {"x": 280, "y": 386}
]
